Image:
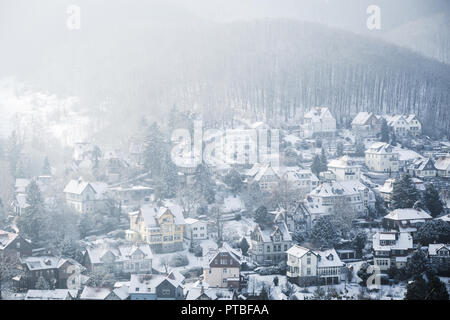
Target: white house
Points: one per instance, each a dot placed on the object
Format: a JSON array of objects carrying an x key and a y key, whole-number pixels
[
  {"x": 328, "y": 194},
  {"x": 442, "y": 165},
  {"x": 307, "y": 267},
  {"x": 301, "y": 179},
  {"x": 422, "y": 168},
  {"x": 404, "y": 124},
  {"x": 318, "y": 120},
  {"x": 366, "y": 124},
  {"x": 405, "y": 220},
  {"x": 223, "y": 269},
  {"x": 345, "y": 169},
  {"x": 264, "y": 175},
  {"x": 391, "y": 248},
  {"x": 83, "y": 196},
  {"x": 380, "y": 157},
  {"x": 195, "y": 229}
]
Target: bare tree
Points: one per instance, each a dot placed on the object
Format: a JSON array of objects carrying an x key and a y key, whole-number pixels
[{"x": 9, "y": 268}]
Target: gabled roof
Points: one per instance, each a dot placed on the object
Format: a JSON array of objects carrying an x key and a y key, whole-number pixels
[
  {"x": 298, "y": 251},
  {"x": 145, "y": 283},
  {"x": 443, "y": 163},
  {"x": 77, "y": 186},
  {"x": 343, "y": 162},
  {"x": 435, "y": 247},
  {"x": 91, "y": 293},
  {"x": 318, "y": 113},
  {"x": 268, "y": 233},
  {"x": 6, "y": 238},
  {"x": 46, "y": 262},
  {"x": 419, "y": 164},
  {"x": 381, "y": 148},
  {"x": 408, "y": 214},
  {"x": 402, "y": 241},
  {"x": 121, "y": 253},
  {"x": 57, "y": 294},
  {"x": 152, "y": 213},
  {"x": 362, "y": 118}
]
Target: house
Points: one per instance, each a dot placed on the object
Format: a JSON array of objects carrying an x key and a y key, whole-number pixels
[
  {"x": 195, "y": 229},
  {"x": 391, "y": 248},
  {"x": 345, "y": 169},
  {"x": 301, "y": 179},
  {"x": 56, "y": 294},
  {"x": 55, "y": 270},
  {"x": 403, "y": 125},
  {"x": 120, "y": 259},
  {"x": 223, "y": 269},
  {"x": 318, "y": 121},
  {"x": 386, "y": 190},
  {"x": 91, "y": 293},
  {"x": 201, "y": 291},
  {"x": 442, "y": 166},
  {"x": 422, "y": 168},
  {"x": 157, "y": 286},
  {"x": 143, "y": 286},
  {"x": 323, "y": 199},
  {"x": 366, "y": 124},
  {"x": 405, "y": 220},
  {"x": 268, "y": 245},
  {"x": 264, "y": 175},
  {"x": 380, "y": 157},
  {"x": 85, "y": 197},
  {"x": 308, "y": 267},
  {"x": 14, "y": 245},
  {"x": 131, "y": 196},
  {"x": 161, "y": 227},
  {"x": 439, "y": 256}
]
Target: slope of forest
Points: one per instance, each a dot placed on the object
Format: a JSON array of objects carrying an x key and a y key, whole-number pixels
[
  {"x": 144, "y": 62},
  {"x": 429, "y": 36}
]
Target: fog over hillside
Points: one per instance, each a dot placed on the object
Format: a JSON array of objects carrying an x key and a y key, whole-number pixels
[{"x": 147, "y": 57}]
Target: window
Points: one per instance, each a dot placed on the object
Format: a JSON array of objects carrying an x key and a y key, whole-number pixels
[
  {"x": 224, "y": 270},
  {"x": 308, "y": 261},
  {"x": 165, "y": 292}
]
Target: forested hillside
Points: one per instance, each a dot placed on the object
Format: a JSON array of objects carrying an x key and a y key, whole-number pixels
[{"x": 143, "y": 62}]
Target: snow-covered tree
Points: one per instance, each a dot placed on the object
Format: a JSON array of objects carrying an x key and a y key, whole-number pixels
[
  {"x": 404, "y": 193},
  {"x": 432, "y": 200}
]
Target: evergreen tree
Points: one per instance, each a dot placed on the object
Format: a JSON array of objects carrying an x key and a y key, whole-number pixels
[
  {"x": 323, "y": 161},
  {"x": 384, "y": 131},
  {"x": 393, "y": 139},
  {"x": 359, "y": 242},
  {"x": 323, "y": 233},
  {"x": 316, "y": 166},
  {"x": 416, "y": 290},
  {"x": 432, "y": 201},
  {"x": 433, "y": 231},
  {"x": 204, "y": 182},
  {"x": 340, "y": 149},
  {"x": 363, "y": 274},
  {"x": 436, "y": 289},
  {"x": 155, "y": 150},
  {"x": 244, "y": 246},
  {"x": 418, "y": 264},
  {"x": 404, "y": 193},
  {"x": 263, "y": 217},
  {"x": 360, "y": 149},
  {"x": 169, "y": 182},
  {"x": 234, "y": 181},
  {"x": 380, "y": 207},
  {"x": 30, "y": 223}
]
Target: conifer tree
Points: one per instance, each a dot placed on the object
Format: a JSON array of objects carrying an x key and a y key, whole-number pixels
[
  {"x": 404, "y": 193},
  {"x": 432, "y": 201}
]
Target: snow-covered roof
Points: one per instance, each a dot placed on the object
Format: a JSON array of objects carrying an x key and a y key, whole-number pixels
[
  {"x": 6, "y": 238},
  {"x": 343, "y": 162},
  {"x": 176, "y": 278},
  {"x": 445, "y": 217},
  {"x": 298, "y": 251},
  {"x": 328, "y": 258},
  {"x": 43, "y": 262},
  {"x": 402, "y": 241},
  {"x": 76, "y": 186},
  {"x": 57, "y": 294},
  {"x": 362, "y": 118},
  {"x": 443, "y": 163},
  {"x": 199, "y": 288},
  {"x": 338, "y": 188},
  {"x": 145, "y": 283},
  {"x": 267, "y": 234},
  {"x": 91, "y": 293},
  {"x": 121, "y": 253},
  {"x": 380, "y": 148},
  {"x": 388, "y": 186},
  {"x": 433, "y": 248},
  {"x": 408, "y": 214},
  {"x": 318, "y": 113},
  {"x": 420, "y": 163},
  {"x": 151, "y": 213}
]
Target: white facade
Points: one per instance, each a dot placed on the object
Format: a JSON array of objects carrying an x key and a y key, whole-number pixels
[
  {"x": 318, "y": 120},
  {"x": 380, "y": 157},
  {"x": 391, "y": 248},
  {"x": 345, "y": 169},
  {"x": 195, "y": 229},
  {"x": 404, "y": 124}
]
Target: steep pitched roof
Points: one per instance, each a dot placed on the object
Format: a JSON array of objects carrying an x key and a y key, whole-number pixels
[
  {"x": 77, "y": 186},
  {"x": 435, "y": 247},
  {"x": 362, "y": 118}
]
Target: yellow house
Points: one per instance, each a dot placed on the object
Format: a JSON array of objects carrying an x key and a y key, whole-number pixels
[{"x": 159, "y": 226}]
